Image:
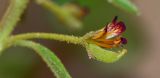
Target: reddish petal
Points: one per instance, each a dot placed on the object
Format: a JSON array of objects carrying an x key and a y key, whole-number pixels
[
  {"x": 115, "y": 29},
  {"x": 123, "y": 40},
  {"x": 120, "y": 26},
  {"x": 111, "y": 25}
]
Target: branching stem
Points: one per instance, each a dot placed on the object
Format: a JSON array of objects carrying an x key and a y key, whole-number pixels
[{"x": 10, "y": 19}]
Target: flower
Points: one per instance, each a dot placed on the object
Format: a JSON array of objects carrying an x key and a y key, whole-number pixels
[
  {"x": 111, "y": 35},
  {"x": 99, "y": 43}
]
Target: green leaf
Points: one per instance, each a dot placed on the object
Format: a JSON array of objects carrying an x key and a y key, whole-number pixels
[
  {"x": 104, "y": 55},
  {"x": 125, "y": 5},
  {"x": 48, "y": 56}
]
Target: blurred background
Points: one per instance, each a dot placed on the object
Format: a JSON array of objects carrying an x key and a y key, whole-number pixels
[{"x": 141, "y": 61}]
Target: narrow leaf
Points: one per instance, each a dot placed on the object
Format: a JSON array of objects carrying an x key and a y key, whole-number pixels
[
  {"x": 125, "y": 5},
  {"x": 48, "y": 56}
]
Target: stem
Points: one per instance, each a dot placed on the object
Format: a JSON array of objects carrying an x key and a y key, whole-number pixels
[
  {"x": 51, "y": 36},
  {"x": 10, "y": 19},
  {"x": 48, "y": 56}
]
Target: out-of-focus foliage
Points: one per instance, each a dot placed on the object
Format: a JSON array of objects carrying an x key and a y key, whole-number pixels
[
  {"x": 17, "y": 63},
  {"x": 125, "y": 5}
]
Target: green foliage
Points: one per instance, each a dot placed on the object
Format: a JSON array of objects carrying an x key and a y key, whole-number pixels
[
  {"x": 125, "y": 5},
  {"x": 104, "y": 55},
  {"x": 64, "y": 15},
  {"x": 12, "y": 17},
  {"x": 48, "y": 56}
]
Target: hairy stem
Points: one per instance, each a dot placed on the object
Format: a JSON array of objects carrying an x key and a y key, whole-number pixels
[
  {"x": 51, "y": 36},
  {"x": 10, "y": 19}
]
